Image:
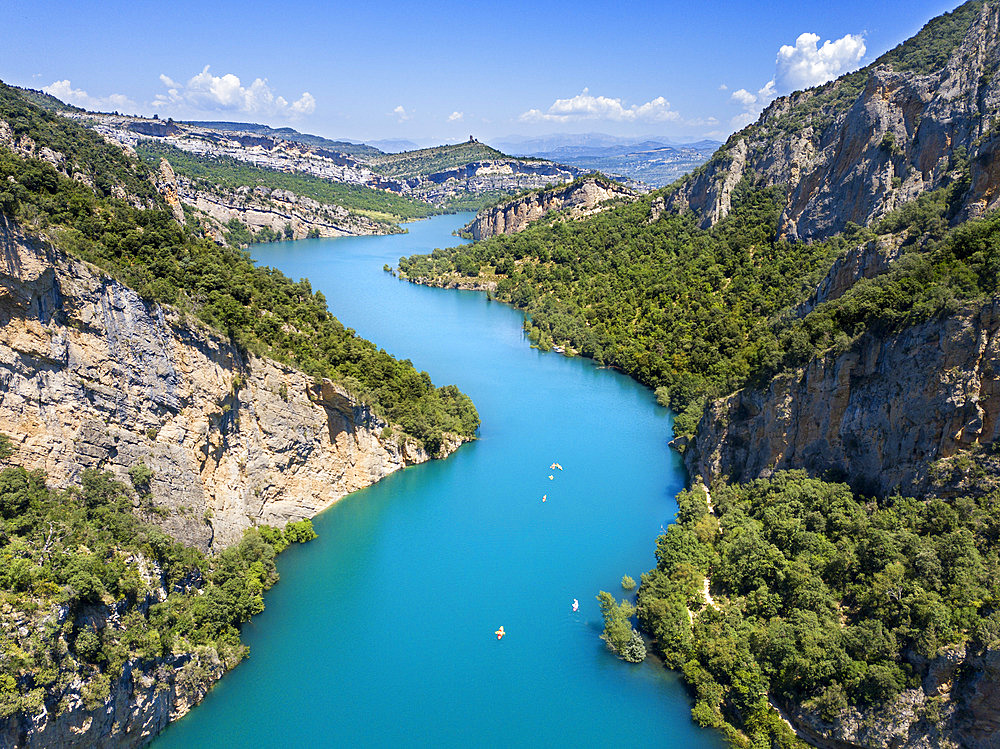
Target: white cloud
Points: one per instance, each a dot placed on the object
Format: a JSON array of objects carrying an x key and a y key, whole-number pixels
[
  {"x": 802, "y": 66},
  {"x": 208, "y": 92},
  {"x": 401, "y": 113},
  {"x": 77, "y": 96},
  {"x": 806, "y": 65},
  {"x": 456, "y": 116},
  {"x": 743, "y": 97},
  {"x": 767, "y": 93},
  {"x": 723, "y": 87},
  {"x": 306, "y": 104},
  {"x": 585, "y": 106}
]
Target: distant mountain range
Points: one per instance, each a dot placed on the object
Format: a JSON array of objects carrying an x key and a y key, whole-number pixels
[
  {"x": 393, "y": 145},
  {"x": 654, "y": 160}
]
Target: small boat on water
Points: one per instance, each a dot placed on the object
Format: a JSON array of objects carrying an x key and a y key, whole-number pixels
[{"x": 576, "y": 605}]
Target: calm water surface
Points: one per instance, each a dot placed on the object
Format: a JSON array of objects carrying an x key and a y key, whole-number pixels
[{"x": 380, "y": 633}]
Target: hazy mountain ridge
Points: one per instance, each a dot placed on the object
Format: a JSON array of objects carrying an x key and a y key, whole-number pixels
[{"x": 652, "y": 161}]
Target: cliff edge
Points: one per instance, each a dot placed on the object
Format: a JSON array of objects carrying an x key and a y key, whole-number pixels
[
  {"x": 581, "y": 198},
  {"x": 854, "y": 149},
  {"x": 94, "y": 376}
]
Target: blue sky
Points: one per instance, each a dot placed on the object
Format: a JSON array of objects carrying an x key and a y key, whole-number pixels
[{"x": 439, "y": 70}]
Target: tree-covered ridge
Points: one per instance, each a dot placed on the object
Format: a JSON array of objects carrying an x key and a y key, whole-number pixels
[
  {"x": 230, "y": 173},
  {"x": 429, "y": 160},
  {"x": 69, "y": 558},
  {"x": 46, "y": 101},
  {"x": 695, "y": 312},
  {"x": 929, "y": 49},
  {"x": 107, "y": 167},
  {"x": 259, "y": 308},
  {"x": 819, "y": 597},
  {"x": 672, "y": 305}
]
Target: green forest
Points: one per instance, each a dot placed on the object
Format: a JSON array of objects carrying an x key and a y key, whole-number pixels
[
  {"x": 821, "y": 597},
  {"x": 698, "y": 313},
  {"x": 260, "y": 309},
  {"x": 83, "y": 549}
]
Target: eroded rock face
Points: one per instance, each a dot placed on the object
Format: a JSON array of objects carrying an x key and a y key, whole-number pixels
[
  {"x": 877, "y": 415},
  {"x": 580, "y": 199},
  {"x": 899, "y": 138},
  {"x": 956, "y": 705},
  {"x": 867, "y": 260},
  {"x": 143, "y": 699},
  {"x": 93, "y": 376}
]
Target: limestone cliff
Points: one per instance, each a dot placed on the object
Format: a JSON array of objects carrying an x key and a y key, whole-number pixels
[
  {"x": 260, "y": 208},
  {"x": 136, "y": 703},
  {"x": 878, "y": 415},
  {"x": 954, "y": 706},
  {"x": 581, "y": 198},
  {"x": 91, "y": 375},
  {"x": 856, "y": 148}
]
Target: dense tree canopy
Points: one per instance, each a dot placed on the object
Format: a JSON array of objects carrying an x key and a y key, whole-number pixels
[
  {"x": 84, "y": 548},
  {"x": 698, "y": 312},
  {"x": 820, "y": 596}
]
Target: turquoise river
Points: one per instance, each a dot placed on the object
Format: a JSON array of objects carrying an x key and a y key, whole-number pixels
[{"x": 380, "y": 632}]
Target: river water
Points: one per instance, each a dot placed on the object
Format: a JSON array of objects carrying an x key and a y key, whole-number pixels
[{"x": 381, "y": 631}]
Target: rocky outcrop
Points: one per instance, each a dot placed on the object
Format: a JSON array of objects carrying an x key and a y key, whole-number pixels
[
  {"x": 581, "y": 198},
  {"x": 877, "y": 415},
  {"x": 167, "y": 187},
  {"x": 867, "y": 260},
  {"x": 498, "y": 175},
  {"x": 141, "y": 701},
  {"x": 508, "y": 175},
  {"x": 276, "y": 210},
  {"x": 956, "y": 705},
  {"x": 900, "y": 135},
  {"x": 123, "y": 708},
  {"x": 91, "y": 375}
]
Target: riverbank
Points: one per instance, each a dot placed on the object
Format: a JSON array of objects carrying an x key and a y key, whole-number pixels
[{"x": 411, "y": 577}]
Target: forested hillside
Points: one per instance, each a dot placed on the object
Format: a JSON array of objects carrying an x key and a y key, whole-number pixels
[
  {"x": 698, "y": 313},
  {"x": 409, "y": 164},
  {"x": 259, "y": 308},
  {"x": 89, "y": 591}
]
